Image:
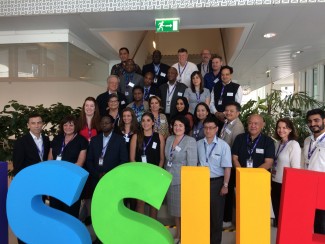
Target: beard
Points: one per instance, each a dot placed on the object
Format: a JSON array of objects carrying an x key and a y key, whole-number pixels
[{"x": 317, "y": 129}]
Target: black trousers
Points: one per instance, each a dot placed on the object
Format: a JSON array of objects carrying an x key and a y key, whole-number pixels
[
  {"x": 230, "y": 197},
  {"x": 217, "y": 204},
  {"x": 72, "y": 210},
  {"x": 276, "y": 197}
]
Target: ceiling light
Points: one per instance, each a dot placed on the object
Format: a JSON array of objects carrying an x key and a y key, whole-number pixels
[
  {"x": 298, "y": 52},
  {"x": 269, "y": 35}
]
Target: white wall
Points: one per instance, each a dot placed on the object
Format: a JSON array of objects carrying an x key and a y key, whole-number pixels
[{"x": 72, "y": 93}]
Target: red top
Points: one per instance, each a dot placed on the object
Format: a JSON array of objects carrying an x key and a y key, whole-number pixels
[{"x": 88, "y": 134}]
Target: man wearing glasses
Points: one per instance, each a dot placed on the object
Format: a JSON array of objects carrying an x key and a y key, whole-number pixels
[{"x": 215, "y": 153}]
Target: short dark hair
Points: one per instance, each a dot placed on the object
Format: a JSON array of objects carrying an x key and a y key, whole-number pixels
[
  {"x": 108, "y": 116},
  {"x": 316, "y": 111},
  {"x": 182, "y": 50},
  {"x": 137, "y": 87},
  {"x": 234, "y": 103},
  {"x": 184, "y": 121},
  {"x": 292, "y": 135},
  {"x": 227, "y": 67},
  {"x": 34, "y": 115},
  {"x": 211, "y": 119},
  {"x": 124, "y": 48},
  {"x": 216, "y": 56},
  {"x": 113, "y": 95},
  {"x": 71, "y": 119}
]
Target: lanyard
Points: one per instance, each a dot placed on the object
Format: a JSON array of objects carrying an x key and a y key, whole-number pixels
[
  {"x": 223, "y": 88},
  {"x": 64, "y": 145},
  {"x": 145, "y": 145},
  {"x": 250, "y": 151},
  {"x": 278, "y": 151},
  {"x": 171, "y": 151},
  {"x": 157, "y": 69},
  {"x": 89, "y": 133},
  {"x": 207, "y": 156},
  {"x": 104, "y": 147},
  {"x": 40, "y": 152},
  {"x": 207, "y": 70},
  {"x": 311, "y": 151},
  {"x": 171, "y": 92},
  {"x": 197, "y": 130},
  {"x": 157, "y": 122},
  {"x": 224, "y": 128},
  {"x": 179, "y": 69},
  {"x": 198, "y": 96}
]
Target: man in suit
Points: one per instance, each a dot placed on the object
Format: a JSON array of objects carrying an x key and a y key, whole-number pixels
[
  {"x": 157, "y": 68},
  {"x": 31, "y": 148},
  {"x": 206, "y": 65},
  {"x": 112, "y": 86},
  {"x": 129, "y": 79},
  {"x": 106, "y": 151},
  {"x": 150, "y": 88},
  {"x": 170, "y": 91},
  {"x": 232, "y": 127}
]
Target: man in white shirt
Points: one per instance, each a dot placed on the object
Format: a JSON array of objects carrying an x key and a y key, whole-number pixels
[
  {"x": 184, "y": 67},
  {"x": 314, "y": 155}
]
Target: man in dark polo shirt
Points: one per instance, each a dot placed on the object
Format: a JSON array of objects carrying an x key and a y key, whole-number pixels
[{"x": 253, "y": 149}]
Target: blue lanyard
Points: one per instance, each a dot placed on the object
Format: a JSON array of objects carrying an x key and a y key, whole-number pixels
[
  {"x": 179, "y": 69},
  {"x": 250, "y": 151},
  {"x": 157, "y": 69},
  {"x": 278, "y": 151},
  {"x": 310, "y": 152},
  {"x": 207, "y": 156},
  {"x": 104, "y": 147},
  {"x": 171, "y": 151},
  {"x": 157, "y": 123},
  {"x": 64, "y": 145},
  {"x": 145, "y": 145},
  {"x": 89, "y": 133},
  {"x": 198, "y": 96},
  {"x": 223, "y": 88},
  {"x": 169, "y": 93}
]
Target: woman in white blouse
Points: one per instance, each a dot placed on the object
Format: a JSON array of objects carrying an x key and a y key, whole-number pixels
[{"x": 288, "y": 154}]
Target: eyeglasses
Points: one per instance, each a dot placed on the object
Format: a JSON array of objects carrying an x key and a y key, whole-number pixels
[{"x": 209, "y": 128}]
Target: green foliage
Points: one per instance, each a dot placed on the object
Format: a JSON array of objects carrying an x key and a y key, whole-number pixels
[
  {"x": 13, "y": 122},
  {"x": 272, "y": 108}
]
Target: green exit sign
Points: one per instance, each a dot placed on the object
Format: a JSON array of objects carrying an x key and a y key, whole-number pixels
[{"x": 167, "y": 25}]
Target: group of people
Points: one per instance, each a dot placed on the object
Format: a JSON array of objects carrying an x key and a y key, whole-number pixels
[{"x": 173, "y": 117}]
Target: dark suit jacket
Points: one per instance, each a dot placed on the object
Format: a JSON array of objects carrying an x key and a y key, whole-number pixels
[
  {"x": 102, "y": 100},
  {"x": 200, "y": 64},
  {"x": 25, "y": 152},
  {"x": 180, "y": 89},
  {"x": 154, "y": 90},
  {"x": 116, "y": 154},
  {"x": 162, "y": 75}
]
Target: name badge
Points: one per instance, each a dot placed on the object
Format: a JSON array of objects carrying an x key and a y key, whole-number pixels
[
  {"x": 168, "y": 103},
  {"x": 123, "y": 102},
  {"x": 163, "y": 121},
  {"x": 230, "y": 94},
  {"x": 179, "y": 94},
  {"x": 178, "y": 149},
  {"x": 228, "y": 131},
  {"x": 151, "y": 95},
  {"x": 169, "y": 164},
  {"x": 220, "y": 102},
  {"x": 127, "y": 139},
  {"x": 144, "y": 158},
  {"x": 126, "y": 93},
  {"x": 162, "y": 74},
  {"x": 131, "y": 84},
  {"x": 260, "y": 150},
  {"x": 59, "y": 157},
  {"x": 216, "y": 80},
  {"x": 154, "y": 145},
  {"x": 249, "y": 163},
  {"x": 100, "y": 161},
  {"x": 155, "y": 80}
]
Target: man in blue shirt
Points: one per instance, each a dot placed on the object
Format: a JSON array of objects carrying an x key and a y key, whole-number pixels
[{"x": 215, "y": 153}]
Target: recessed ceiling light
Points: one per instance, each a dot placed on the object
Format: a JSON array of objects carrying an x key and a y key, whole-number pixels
[
  {"x": 269, "y": 35},
  {"x": 299, "y": 51}
]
